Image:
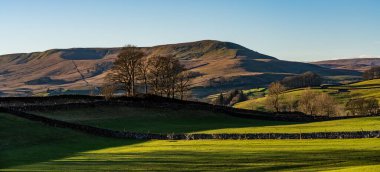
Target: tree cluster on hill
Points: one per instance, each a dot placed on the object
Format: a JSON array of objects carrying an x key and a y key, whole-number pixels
[
  {"x": 230, "y": 98},
  {"x": 159, "y": 75},
  {"x": 363, "y": 107},
  {"x": 275, "y": 95},
  {"x": 307, "y": 79},
  {"x": 310, "y": 102},
  {"x": 315, "y": 103},
  {"x": 372, "y": 73}
]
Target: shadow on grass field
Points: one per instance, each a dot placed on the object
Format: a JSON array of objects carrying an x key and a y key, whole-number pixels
[
  {"x": 215, "y": 155},
  {"x": 31, "y": 146},
  {"x": 155, "y": 120},
  {"x": 165, "y": 121},
  {"x": 24, "y": 142}
]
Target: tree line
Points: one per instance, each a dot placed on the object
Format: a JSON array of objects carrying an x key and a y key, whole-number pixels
[
  {"x": 230, "y": 98},
  {"x": 307, "y": 79},
  {"x": 317, "y": 103},
  {"x": 309, "y": 102},
  {"x": 134, "y": 72}
]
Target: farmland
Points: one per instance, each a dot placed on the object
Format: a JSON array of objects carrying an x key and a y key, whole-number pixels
[
  {"x": 33, "y": 146},
  {"x": 364, "y": 89},
  {"x": 197, "y": 121}
]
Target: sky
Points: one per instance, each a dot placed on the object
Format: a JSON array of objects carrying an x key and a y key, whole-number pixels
[{"x": 297, "y": 30}]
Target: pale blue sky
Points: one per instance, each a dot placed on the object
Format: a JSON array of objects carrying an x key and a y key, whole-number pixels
[{"x": 301, "y": 30}]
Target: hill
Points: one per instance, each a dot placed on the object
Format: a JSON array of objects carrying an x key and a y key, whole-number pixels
[
  {"x": 219, "y": 65},
  {"x": 358, "y": 64},
  {"x": 364, "y": 89}
]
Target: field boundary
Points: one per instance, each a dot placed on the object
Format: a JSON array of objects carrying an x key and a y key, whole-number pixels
[
  {"x": 150, "y": 101},
  {"x": 172, "y": 136}
]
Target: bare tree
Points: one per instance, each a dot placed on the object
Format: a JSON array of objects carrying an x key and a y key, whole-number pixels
[
  {"x": 326, "y": 105},
  {"x": 307, "y": 103},
  {"x": 289, "y": 104},
  {"x": 154, "y": 75},
  {"x": 165, "y": 76},
  {"x": 143, "y": 69},
  {"x": 275, "y": 92},
  {"x": 108, "y": 90},
  {"x": 183, "y": 83},
  {"x": 125, "y": 69}
]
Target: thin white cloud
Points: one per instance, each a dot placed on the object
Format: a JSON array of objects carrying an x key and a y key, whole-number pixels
[
  {"x": 359, "y": 56},
  {"x": 368, "y": 56}
]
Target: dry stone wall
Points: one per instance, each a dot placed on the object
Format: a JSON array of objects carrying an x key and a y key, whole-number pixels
[
  {"x": 147, "y": 101},
  {"x": 148, "y": 136}
]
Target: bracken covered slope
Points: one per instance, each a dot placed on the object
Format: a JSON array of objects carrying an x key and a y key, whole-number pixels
[
  {"x": 220, "y": 65},
  {"x": 359, "y": 64}
]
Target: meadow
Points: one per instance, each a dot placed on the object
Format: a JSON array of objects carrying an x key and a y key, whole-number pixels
[
  {"x": 364, "y": 89},
  {"x": 154, "y": 120},
  {"x": 33, "y": 146},
  {"x": 29, "y": 146}
]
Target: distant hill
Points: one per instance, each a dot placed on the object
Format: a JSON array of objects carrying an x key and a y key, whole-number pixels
[
  {"x": 220, "y": 65},
  {"x": 358, "y": 64}
]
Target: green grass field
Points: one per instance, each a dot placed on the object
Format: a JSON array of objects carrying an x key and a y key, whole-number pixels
[
  {"x": 196, "y": 121},
  {"x": 362, "y": 89},
  {"x": 31, "y": 146},
  {"x": 155, "y": 120}
]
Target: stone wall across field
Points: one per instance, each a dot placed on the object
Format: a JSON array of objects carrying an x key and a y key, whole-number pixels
[
  {"x": 148, "y": 136},
  {"x": 147, "y": 101}
]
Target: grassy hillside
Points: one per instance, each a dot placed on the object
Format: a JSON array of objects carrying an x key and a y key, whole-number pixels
[
  {"x": 31, "y": 146},
  {"x": 364, "y": 89},
  {"x": 232, "y": 64},
  {"x": 196, "y": 121},
  {"x": 155, "y": 120},
  {"x": 24, "y": 142}
]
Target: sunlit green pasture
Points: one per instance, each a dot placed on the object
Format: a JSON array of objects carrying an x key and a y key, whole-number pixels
[
  {"x": 191, "y": 121},
  {"x": 364, "y": 89},
  {"x": 32, "y": 146}
]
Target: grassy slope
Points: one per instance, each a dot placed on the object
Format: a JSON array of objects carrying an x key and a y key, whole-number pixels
[
  {"x": 168, "y": 121},
  {"x": 155, "y": 120},
  {"x": 23, "y": 142},
  {"x": 369, "y": 88},
  {"x": 31, "y": 146},
  {"x": 269, "y": 155}
]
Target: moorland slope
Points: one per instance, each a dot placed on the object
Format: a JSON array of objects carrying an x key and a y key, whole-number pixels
[{"x": 81, "y": 69}]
